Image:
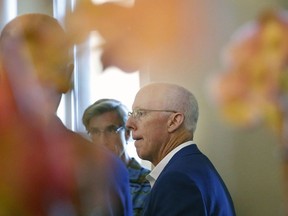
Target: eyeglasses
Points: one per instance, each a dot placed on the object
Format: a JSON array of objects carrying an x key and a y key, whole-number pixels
[
  {"x": 138, "y": 113},
  {"x": 108, "y": 131}
]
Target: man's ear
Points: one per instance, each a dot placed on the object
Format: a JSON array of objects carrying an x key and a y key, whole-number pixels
[{"x": 175, "y": 121}]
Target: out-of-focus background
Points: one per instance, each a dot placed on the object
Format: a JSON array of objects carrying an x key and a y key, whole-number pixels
[{"x": 247, "y": 158}]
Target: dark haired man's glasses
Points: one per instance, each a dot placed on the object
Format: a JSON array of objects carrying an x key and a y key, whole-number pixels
[
  {"x": 138, "y": 113},
  {"x": 108, "y": 131}
]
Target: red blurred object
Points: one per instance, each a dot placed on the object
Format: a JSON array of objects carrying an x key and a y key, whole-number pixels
[{"x": 46, "y": 169}]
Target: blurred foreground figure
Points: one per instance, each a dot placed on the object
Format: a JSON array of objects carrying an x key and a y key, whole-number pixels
[
  {"x": 252, "y": 90},
  {"x": 132, "y": 35},
  {"x": 45, "y": 168},
  {"x": 184, "y": 181},
  {"x": 253, "y": 87}
]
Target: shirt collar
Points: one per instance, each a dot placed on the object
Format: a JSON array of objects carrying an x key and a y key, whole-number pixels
[{"x": 154, "y": 174}]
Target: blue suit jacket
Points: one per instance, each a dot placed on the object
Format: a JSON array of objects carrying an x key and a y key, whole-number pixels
[{"x": 189, "y": 185}]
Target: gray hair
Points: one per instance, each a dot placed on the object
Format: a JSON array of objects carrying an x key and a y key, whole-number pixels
[
  {"x": 102, "y": 106},
  {"x": 183, "y": 101},
  {"x": 191, "y": 112}
]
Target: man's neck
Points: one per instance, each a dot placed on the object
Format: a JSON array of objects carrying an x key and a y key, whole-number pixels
[{"x": 174, "y": 142}]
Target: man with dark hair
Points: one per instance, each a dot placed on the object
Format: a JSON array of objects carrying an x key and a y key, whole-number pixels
[{"x": 105, "y": 123}]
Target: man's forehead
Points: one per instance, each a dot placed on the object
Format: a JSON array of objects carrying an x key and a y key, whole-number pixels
[
  {"x": 104, "y": 121},
  {"x": 149, "y": 103},
  {"x": 109, "y": 115},
  {"x": 150, "y": 95}
]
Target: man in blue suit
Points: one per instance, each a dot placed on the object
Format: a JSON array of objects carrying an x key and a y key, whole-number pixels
[{"x": 184, "y": 181}]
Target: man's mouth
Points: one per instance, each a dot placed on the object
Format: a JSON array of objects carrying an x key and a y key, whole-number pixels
[{"x": 137, "y": 140}]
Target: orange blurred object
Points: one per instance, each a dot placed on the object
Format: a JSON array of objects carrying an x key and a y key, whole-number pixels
[
  {"x": 46, "y": 169},
  {"x": 131, "y": 35}
]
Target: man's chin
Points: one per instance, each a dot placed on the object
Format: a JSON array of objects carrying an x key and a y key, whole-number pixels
[{"x": 138, "y": 151}]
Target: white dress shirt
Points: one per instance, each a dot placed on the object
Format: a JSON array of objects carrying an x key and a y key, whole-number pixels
[{"x": 154, "y": 174}]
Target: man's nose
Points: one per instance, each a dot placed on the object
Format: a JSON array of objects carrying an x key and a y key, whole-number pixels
[{"x": 130, "y": 125}]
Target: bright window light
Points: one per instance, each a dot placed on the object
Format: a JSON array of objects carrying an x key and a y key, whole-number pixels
[{"x": 116, "y": 84}]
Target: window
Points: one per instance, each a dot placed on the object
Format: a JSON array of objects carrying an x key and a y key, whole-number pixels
[
  {"x": 92, "y": 83},
  {"x": 111, "y": 83}
]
